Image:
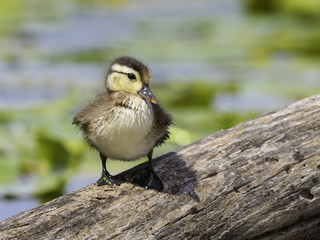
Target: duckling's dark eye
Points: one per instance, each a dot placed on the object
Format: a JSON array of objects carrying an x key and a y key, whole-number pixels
[{"x": 131, "y": 76}]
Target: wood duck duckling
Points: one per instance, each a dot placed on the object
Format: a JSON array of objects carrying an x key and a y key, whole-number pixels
[{"x": 126, "y": 121}]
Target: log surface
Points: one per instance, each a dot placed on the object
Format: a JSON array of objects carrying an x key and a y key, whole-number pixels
[{"x": 257, "y": 180}]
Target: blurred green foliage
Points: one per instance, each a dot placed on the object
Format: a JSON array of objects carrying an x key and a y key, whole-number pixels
[
  {"x": 32, "y": 145},
  {"x": 53, "y": 151},
  {"x": 10, "y": 14},
  {"x": 196, "y": 93},
  {"x": 303, "y": 9},
  {"x": 305, "y": 42},
  {"x": 87, "y": 55}
]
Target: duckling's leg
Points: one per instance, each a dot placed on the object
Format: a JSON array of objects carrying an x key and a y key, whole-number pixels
[
  {"x": 106, "y": 178},
  {"x": 154, "y": 181}
]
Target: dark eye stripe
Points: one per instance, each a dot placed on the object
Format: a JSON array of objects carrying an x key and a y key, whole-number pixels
[{"x": 131, "y": 76}]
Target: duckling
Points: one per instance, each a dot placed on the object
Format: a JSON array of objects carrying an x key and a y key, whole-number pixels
[{"x": 126, "y": 121}]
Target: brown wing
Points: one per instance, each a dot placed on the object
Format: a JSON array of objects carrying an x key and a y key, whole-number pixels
[
  {"x": 99, "y": 107},
  {"x": 94, "y": 108},
  {"x": 161, "y": 124}
]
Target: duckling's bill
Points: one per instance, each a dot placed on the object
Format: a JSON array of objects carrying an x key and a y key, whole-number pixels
[{"x": 146, "y": 93}]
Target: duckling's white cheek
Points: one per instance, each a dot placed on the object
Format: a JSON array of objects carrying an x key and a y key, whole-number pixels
[
  {"x": 113, "y": 82},
  {"x": 130, "y": 86},
  {"x": 136, "y": 86}
]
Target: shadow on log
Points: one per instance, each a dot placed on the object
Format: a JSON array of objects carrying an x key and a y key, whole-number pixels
[{"x": 257, "y": 180}]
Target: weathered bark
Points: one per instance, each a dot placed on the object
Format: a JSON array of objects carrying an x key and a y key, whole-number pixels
[{"x": 257, "y": 180}]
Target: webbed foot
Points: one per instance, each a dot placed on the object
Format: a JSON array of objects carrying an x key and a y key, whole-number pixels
[
  {"x": 154, "y": 182},
  {"x": 149, "y": 180},
  {"x": 109, "y": 180},
  {"x": 106, "y": 178}
]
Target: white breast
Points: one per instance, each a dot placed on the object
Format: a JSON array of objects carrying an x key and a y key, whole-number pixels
[{"x": 124, "y": 136}]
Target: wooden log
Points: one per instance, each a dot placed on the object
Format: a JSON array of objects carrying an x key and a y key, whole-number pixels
[{"x": 257, "y": 180}]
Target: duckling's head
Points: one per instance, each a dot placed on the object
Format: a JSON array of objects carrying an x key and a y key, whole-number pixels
[{"x": 130, "y": 75}]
